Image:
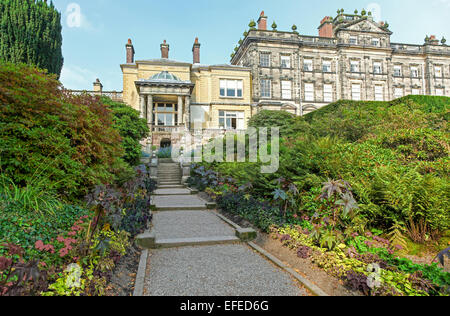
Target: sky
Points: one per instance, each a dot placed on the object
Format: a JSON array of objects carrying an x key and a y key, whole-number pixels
[{"x": 95, "y": 31}]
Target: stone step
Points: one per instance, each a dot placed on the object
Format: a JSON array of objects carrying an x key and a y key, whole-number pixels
[
  {"x": 165, "y": 192},
  {"x": 197, "y": 241},
  {"x": 181, "y": 208},
  {"x": 171, "y": 186}
]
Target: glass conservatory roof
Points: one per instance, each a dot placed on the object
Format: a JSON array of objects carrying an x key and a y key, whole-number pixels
[{"x": 164, "y": 76}]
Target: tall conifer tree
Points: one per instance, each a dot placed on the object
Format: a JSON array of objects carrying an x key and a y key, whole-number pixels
[{"x": 30, "y": 32}]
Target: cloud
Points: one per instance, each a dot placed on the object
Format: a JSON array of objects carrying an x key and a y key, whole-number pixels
[{"x": 77, "y": 78}]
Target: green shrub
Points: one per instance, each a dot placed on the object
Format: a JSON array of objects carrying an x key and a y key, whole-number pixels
[
  {"x": 67, "y": 143},
  {"x": 32, "y": 213},
  {"x": 131, "y": 128}
]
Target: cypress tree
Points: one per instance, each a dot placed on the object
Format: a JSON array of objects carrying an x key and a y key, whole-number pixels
[{"x": 30, "y": 32}]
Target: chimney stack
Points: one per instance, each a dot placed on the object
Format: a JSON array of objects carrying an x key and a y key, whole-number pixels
[
  {"x": 196, "y": 51},
  {"x": 130, "y": 52},
  {"x": 262, "y": 22},
  {"x": 326, "y": 27},
  {"x": 165, "y": 50},
  {"x": 98, "y": 87}
]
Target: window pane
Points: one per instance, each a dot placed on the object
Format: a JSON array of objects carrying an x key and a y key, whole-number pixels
[
  {"x": 265, "y": 59},
  {"x": 265, "y": 88}
]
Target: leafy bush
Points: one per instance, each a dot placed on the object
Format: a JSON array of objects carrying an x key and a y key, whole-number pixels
[
  {"x": 258, "y": 213},
  {"x": 131, "y": 128},
  {"x": 68, "y": 143}
]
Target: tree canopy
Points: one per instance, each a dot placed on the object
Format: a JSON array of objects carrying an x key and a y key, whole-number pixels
[{"x": 30, "y": 32}]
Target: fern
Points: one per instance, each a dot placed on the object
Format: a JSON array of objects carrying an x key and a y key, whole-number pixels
[{"x": 397, "y": 237}]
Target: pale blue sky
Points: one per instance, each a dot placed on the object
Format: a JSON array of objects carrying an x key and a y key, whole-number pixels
[{"x": 96, "y": 48}]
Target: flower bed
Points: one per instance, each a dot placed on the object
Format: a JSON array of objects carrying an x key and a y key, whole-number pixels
[{"x": 73, "y": 253}]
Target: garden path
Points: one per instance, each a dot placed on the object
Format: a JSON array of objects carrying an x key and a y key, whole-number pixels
[{"x": 197, "y": 254}]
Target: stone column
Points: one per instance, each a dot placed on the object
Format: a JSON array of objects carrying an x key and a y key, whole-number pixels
[
  {"x": 187, "y": 111},
  {"x": 150, "y": 109},
  {"x": 180, "y": 110},
  {"x": 142, "y": 106}
]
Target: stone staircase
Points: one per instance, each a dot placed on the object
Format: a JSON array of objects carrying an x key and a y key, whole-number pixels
[{"x": 169, "y": 175}]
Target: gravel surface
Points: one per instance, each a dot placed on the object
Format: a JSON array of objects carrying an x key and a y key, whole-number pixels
[
  {"x": 189, "y": 224},
  {"x": 178, "y": 201},
  {"x": 220, "y": 270}
]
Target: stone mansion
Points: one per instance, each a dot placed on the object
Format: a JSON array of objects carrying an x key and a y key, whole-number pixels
[{"x": 352, "y": 58}]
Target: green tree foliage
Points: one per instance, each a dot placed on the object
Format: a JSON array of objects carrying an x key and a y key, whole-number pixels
[
  {"x": 131, "y": 127},
  {"x": 30, "y": 32},
  {"x": 49, "y": 137}
]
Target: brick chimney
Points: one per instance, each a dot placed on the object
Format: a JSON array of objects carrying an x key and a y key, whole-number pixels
[
  {"x": 98, "y": 87},
  {"x": 262, "y": 22},
  {"x": 196, "y": 51},
  {"x": 165, "y": 50},
  {"x": 433, "y": 40},
  {"x": 130, "y": 52},
  {"x": 326, "y": 27}
]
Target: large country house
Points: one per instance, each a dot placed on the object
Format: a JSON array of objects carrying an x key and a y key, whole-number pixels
[
  {"x": 352, "y": 58},
  {"x": 174, "y": 96}
]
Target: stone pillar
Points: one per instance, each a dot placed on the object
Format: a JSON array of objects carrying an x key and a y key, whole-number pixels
[
  {"x": 142, "y": 106},
  {"x": 180, "y": 110},
  {"x": 150, "y": 109},
  {"x": 187, "y": 111}
]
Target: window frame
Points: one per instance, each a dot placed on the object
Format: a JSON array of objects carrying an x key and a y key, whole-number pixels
[
  {"x": 438, "y": 74},
  {"x": 269, "y": 59},
  {"x": 310, "y": 94},
  {"x": 398, "y": 68},
  {"x": 306, "y": 62},
  {"x": 285, "y": 57},
  {"x": 378, "y": 93},
  {"x": 396, "y": 95},
  {"x": 238, "y": 87},
  {"x": 328, "y": 93},
  {"x": 354, "y": 92},
  {"x": 440, "y": 94},
  {"x": 225, "y": 117},
  {"x": 380, "y": 64},
  {"x": 353, "y": 63},
  {"x": 283, "y": 90},
  {"x": 414, "y": 72},
  {"x": 326, "y": 64},
  {"x": 266, "y": 84}
]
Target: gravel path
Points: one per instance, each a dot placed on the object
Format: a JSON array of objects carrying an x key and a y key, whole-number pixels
[
  {"x": 189, "y": 224},
  {"x": 178, "y": 201},
  {"x": 220, "y": 270}
]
